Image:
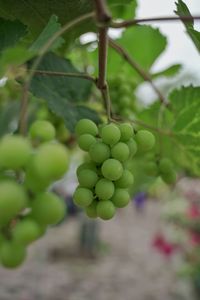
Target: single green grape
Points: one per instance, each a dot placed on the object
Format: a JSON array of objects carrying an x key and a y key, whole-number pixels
[
  {"x": 13, "y": 199},
  {"x": 85, "y": 141},
  {"x": 112, "y": 169},
  {"x": 15, "y": 152},
  {"x": 132, "y": 147},
  {"x": 120, "y": 151},
  {"x": 51, "y": 161},
  {"x": 87, "y": 178},
  {"x": 126, "y": 180},
  {"x": 121, "y": 198},
  {"x": 86, "y": 166},
  {"x": 110, "y": 134},
  {"x": 99, "y": 152},
  {"x": 165, "y": 165},
  {"x": 169, "y": 178},
  {"x": 124, "y": 101},
  {"x": 42, "y": 130},
  {"x": 106, "y": 210},
  {"x": 91, "y": 210},
  {"x": 47, "y": 208},
  {"x": 126, "y": 112},
  {"x": 33, "y": 181},
  {"x": 12, "y": 254},
  {"x": 82, "y": 197},
  {"x": 104, "y": 189},
  {"x": 26, "y": 231},
  {"x": 126, "y": 130},
  {"x": 145, "y": 140},
  {"x": 86, "y": 126},
  {"x": 151, "y": 168}
]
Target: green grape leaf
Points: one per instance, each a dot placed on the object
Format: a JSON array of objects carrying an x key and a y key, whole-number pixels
[
  {"x": 186, "y": 126},
  {"x": 52, "y": 27},
  {"x": 147, "y": 38},
  {"x": 182, "y": 10},
  {"x": 9, "y": 117},
  {"x": 125, "y": 9},
  {"x": 13, "y": 57},
  {"x": 168, "y": 72},
  {"x": 36, "y": 14},
  {"x": 10, "y": 33},
  {"x": 64, "y": 95}
]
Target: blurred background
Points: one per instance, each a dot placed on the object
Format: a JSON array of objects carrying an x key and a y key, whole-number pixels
[{"x": 150, "y": 250}]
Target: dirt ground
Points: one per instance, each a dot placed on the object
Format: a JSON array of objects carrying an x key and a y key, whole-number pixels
[{"x": 126, "y": 268}]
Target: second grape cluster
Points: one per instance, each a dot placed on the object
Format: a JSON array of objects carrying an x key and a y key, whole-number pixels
[{"x": 104, "y": 179}]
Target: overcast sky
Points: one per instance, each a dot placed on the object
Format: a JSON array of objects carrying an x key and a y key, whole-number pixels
[{"x": 180, "y": 48}]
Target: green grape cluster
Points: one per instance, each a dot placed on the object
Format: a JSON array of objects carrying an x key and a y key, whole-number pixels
[
  {"x": 122, "y": 96},
  {"x": 163, "y": 168},
  {"x": 28, "y": 166},
  {"x": 104, "y": 178}
]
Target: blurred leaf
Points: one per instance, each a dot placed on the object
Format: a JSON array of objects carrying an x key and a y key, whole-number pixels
[
  {"x": 10, "y": 33},
  {"x": 36, "y": 14},
  {"x": 123, "y": 9},
  {"x": 9, "y": 117},
  {"x": 13, "y": 57},
  {"x": 168, "y": 72},
  {"x": 186, "y": 128},
  {"x": 64, "y": 95},
  {"x": 52, "y": 27},
  {"x": 182, "y": 10}
]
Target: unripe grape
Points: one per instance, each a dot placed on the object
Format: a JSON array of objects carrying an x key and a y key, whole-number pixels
[
  {"x": 15, "y": 152},
  {"x": 165, "y": 165},
  {"x": 112, "y": 169},
  {"x": 86, "y": 126},
  {"x": 120, "y": 151},
  {"x": 121, "y": 198},
  {"x": 126, "y": 112},
  {"x": 33, "y": 181},
  {"x": 87, "y": 178},
  {"x": 145, "y": 140},
  {"x": 42, "y": 130},
  {"x": 125, "y": 89},
  {"x": 82, "y": 196},
  {"x": 51, "y": 161},
  {"x": 169, "y": 178},
  {"x": 126, "y": 130},
  {"x": 12, "y": 254},
  {"x": 85, "y": 141},
  {"x": 132, "y": 147},
  {"x": 105, "y": 210},
  {"x": 110, "y": 134},
  {"x": 26, "y": 231},
  {"x": 47, "y": 208},
  {"x": 86, "y": 166},
  {"x": 12, "y": 200},
  {"x": 124, "y": 101},
  {"x": 126, "y": 180},
  {"x": 99, "y": 152},
  {"x": 91, "y": 210},
  {"x": 151, "y": 169},
  {"x": 104, "y": 189}
]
